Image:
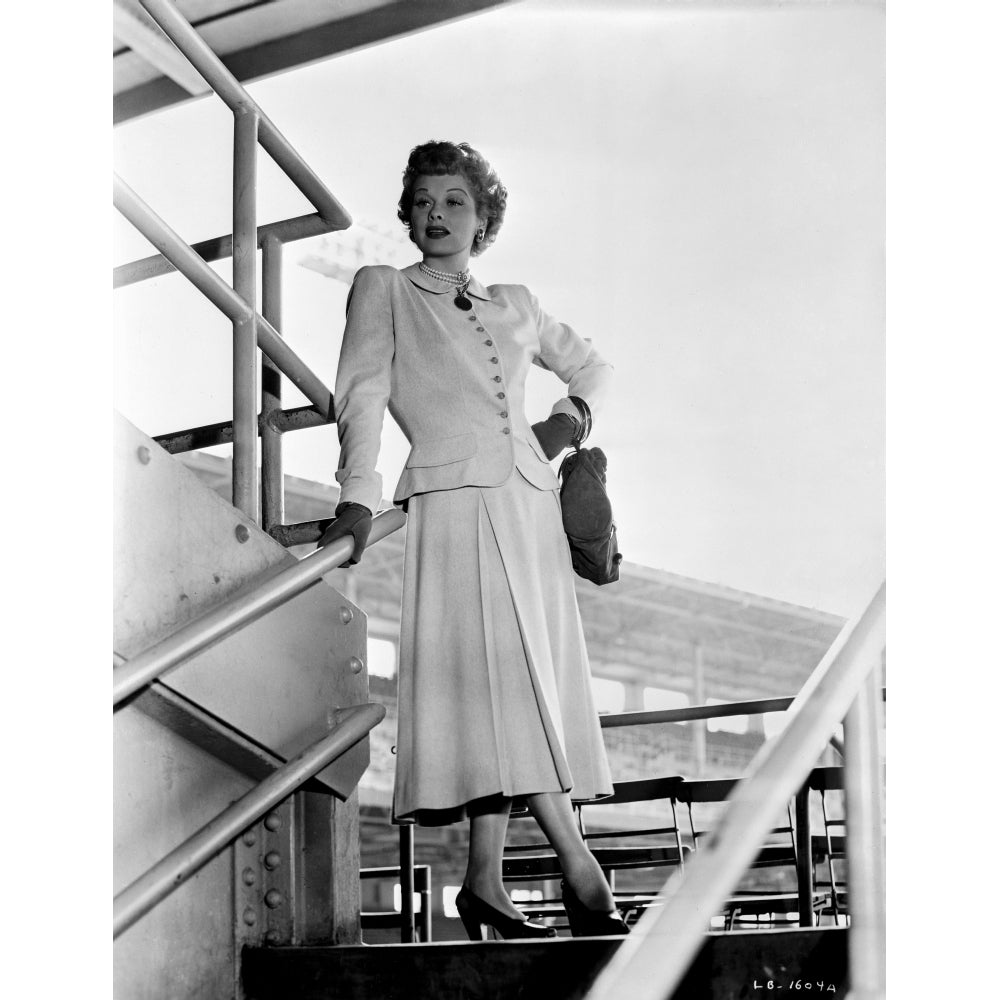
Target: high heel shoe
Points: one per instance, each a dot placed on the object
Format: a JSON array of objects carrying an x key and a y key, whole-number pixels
[
  {"x": 585, "y": 922},
  {"x": 477, "y": 915}
]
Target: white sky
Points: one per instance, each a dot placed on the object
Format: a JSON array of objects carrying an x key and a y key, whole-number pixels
[{"x": 699, "y": 192}]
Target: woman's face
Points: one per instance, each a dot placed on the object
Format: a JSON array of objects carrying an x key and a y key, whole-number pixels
[{"x": 443, "y": 218}]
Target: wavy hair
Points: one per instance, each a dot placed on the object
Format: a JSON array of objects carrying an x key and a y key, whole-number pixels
[{"x": 438, "y": 157}]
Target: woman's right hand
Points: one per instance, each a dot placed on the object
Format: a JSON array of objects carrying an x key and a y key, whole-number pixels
[{"x": 352, "y": 519}]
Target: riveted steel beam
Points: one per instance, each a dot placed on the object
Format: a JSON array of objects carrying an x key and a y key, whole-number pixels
[{"x": 187, "y": 859}]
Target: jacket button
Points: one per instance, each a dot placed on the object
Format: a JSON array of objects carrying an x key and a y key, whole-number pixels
[
  {"x": 488, "y": 343},
  {"x": 503, "y": 413},
  {"x": 501, "y": 395},
  {"x": 496, "y": 378},
  {"x": 495, "y": 361},
  {"x": 472, "y": 317},
  {"x": 480, "y": 329},
  {"x": 506, "y": 430}
]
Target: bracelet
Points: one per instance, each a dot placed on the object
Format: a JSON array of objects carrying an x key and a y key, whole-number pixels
[{"x": 584, "y": 432}]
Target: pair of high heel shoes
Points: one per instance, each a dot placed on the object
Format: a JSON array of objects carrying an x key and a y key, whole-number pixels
[{"x": 477, "y": 916}]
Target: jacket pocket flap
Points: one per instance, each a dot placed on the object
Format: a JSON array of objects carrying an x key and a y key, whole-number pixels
[{"x": 442, "y": 451}]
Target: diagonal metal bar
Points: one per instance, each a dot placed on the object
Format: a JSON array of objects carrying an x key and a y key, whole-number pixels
[
  {"x": 220, "y": 294},
  {"x": 209, "y": 435},
  {"x": 241, "y": 609},
  {"x": 300, "y": 227},
  {"x": 353, "y": 724},
  {"x": 652, "y": 961},
  {"x": 222, "y": 81},
  {"x": 147, "y": 42},
  {"x": 761, "y": 706}
]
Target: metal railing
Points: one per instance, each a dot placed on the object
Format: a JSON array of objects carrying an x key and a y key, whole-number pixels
[
  {"x": 353, "y": 724},
  {"x": 266, "y": 593},
  {"x": 250, "y": 328},
  {"x": 651, "y": 962}
]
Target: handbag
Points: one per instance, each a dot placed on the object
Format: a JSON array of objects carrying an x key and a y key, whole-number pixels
[{"x": 586, "y": 510}]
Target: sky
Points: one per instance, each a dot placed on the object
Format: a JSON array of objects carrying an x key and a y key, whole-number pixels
[{"x": 699, "y": 192}]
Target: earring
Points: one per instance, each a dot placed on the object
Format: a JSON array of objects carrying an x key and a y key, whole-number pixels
[{"x": 480, "y": 235}]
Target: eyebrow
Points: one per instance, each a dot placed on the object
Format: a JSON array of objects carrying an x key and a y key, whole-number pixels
[{"x": 428, "y": 191}]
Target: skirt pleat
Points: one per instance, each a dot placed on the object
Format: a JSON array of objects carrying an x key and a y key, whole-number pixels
[{"x": 494, "y": 681}]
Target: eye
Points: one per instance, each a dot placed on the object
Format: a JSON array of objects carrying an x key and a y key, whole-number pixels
[{"x": 455, "y": 201}]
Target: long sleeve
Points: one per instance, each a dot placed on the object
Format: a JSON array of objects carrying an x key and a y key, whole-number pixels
[
  {"x": 361, "y": 393},
  {"x": 574, "y": 360}
]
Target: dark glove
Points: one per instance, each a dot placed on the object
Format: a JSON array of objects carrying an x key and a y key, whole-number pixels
[
  {"x": 349, "y": 519},
  {"x": 555, "y": 434}
]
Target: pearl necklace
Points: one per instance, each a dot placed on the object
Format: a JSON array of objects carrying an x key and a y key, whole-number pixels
[{"x": 461, "y": 278}]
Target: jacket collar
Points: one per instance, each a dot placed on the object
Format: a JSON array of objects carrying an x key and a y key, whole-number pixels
[{"x": 437, "y": 286}]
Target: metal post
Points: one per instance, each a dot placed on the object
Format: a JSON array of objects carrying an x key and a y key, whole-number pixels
[
  {"x": 407, "y": 930},
  {"x": 803, "y": 856},
  {"x": 865, "y": 844},
  {"x": 426, "y": 902},
  {"x": 272, "y": 473},
  {"x": 699, "y": 728},
  {"x": 245, "y": 482}
]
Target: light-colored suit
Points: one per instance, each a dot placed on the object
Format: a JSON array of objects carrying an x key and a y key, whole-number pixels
[{"x": 452, "y": 380}]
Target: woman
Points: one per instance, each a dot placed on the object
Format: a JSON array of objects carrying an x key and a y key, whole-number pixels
[{"x": 494, "y": 693}]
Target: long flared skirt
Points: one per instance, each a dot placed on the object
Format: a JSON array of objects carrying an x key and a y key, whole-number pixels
[{"x": 494, "y": 680}]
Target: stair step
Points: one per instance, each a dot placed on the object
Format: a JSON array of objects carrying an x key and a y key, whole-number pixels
[{"x": 728, "y": 966}]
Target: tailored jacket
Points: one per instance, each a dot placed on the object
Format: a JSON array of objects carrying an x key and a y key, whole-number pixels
[{"x": 452, "y": 380}]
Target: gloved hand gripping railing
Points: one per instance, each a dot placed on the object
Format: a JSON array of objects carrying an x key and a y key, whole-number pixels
[{"x": 241, "y": 609}]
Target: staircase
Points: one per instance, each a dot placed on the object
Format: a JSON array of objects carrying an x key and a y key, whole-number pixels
[{"x": 209, "y": 730}]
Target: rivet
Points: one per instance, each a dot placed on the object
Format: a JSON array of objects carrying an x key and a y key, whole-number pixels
[
  {"x": 346, "y": 615},
  {"x": 273, "y": 898},
  {"x": 356, "y": 665},
  {"x": 272, "y": 821},
  {"x": 272, "y": 937},
  {"x": 271, "y": 860},
  {"x": 242, "y": 533},
  {"x": 249, "y": 876},
  {"x": 250, "y": 916},
  {"x": 144, "y": 456},
  {"x": 250, "y": 838}
]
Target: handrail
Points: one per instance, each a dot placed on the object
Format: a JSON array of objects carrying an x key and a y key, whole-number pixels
[
  {"x": 251, "y": 128},
  {"x": 222, "y": 81},
  {"x": 224, "y": 298},
  {"x": 241, "y": 609},
  {"x": 762, "y": 706},
  {"x": 651, "y": 962},
  {"x": 172, "y": 871},
  {"x": 616, "y": 720},
  {"x": 301, "y": 227},
  {"x": 209, "y": 435}
]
